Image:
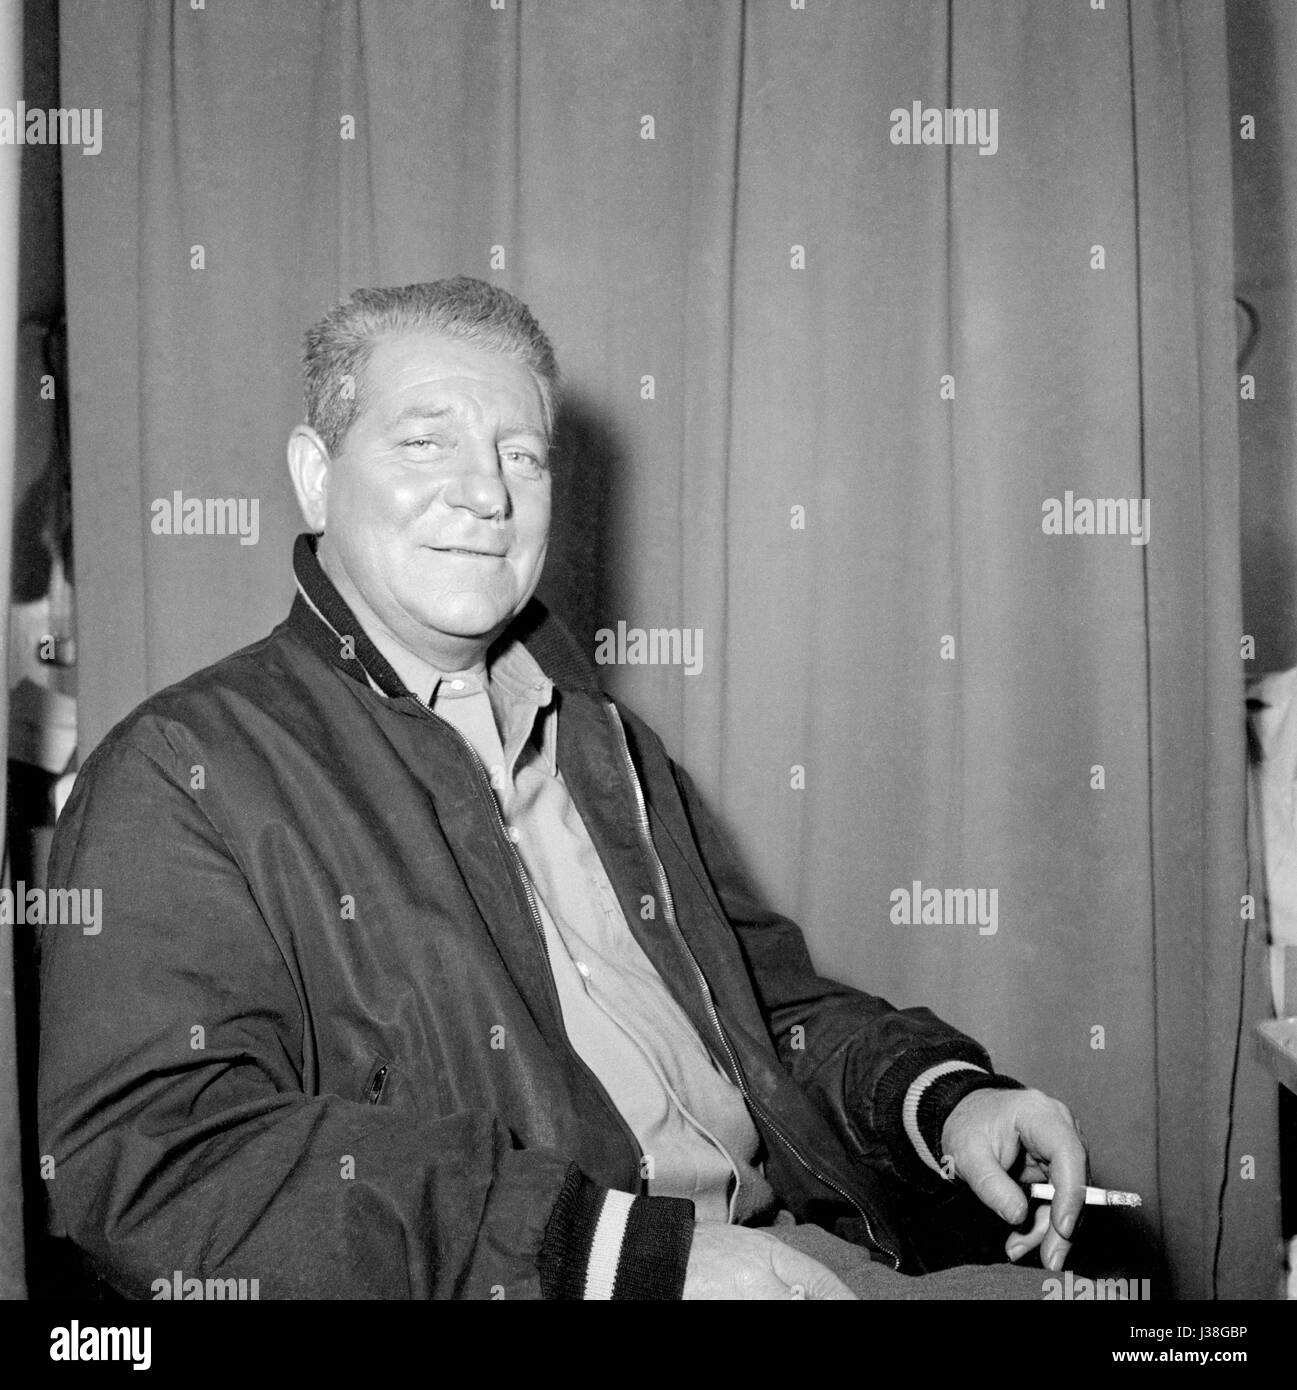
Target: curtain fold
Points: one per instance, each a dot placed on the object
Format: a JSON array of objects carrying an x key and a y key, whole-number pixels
[
  {"x": 1203, "y": 938},
  {"x": 821, "y": 386}
]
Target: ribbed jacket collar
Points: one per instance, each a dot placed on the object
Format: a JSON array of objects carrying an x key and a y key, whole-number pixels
[{"x": 321, "y": 617}]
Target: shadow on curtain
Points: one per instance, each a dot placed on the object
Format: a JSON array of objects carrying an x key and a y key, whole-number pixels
[{"x": 823, "y": 385}]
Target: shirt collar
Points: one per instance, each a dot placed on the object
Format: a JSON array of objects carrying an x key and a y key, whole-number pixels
[
  {"x": 508, "y": 663},
  {"x": 508, "y": 667},
  {"x": 516, "y": 676}
]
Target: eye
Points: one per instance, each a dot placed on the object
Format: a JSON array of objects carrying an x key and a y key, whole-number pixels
[
  {"x": 427, "y": 448},
  {"x": 523, "y": 461}
]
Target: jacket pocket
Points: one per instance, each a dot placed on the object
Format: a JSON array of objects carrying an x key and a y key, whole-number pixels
[
  {"x": 377, "y": 1082},
  {"x": 381, "y": 1081}
]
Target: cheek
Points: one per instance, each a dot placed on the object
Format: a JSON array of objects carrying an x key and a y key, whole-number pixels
[
  {"x": 387, "y": 504},
  {"x": 407, "y": 496},
  {"x": 533, "y": 522}
]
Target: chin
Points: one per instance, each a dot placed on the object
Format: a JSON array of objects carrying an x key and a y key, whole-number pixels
[{"x": 467, "y": 620}]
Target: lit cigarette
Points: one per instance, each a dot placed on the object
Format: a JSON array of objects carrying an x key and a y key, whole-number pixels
[{"x": 1094, "y": 1196}]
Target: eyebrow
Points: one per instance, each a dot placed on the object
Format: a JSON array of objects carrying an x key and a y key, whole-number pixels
[
  {"x": 444, "y": 412},
  {"x": 421, "y": 412}
]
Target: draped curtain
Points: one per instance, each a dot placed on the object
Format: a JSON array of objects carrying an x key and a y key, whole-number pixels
[{"x": 821, "y": 385}]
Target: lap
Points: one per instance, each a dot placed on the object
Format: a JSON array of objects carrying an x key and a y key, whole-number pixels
[{"x": 868, "y": 1279}]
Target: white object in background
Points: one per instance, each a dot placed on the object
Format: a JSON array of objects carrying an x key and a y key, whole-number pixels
[
  {"x": 42, "y": 726},
  {"x": 63, "y": 790},
  {"x": 1276, "y": 728}
]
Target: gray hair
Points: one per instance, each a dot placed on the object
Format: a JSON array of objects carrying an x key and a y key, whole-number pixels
[{"x": 337, "y": 349}]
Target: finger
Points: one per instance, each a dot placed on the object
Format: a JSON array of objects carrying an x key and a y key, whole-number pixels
[
  {"x": 1055, "y": 1140},
  {"x": 994, "y": 1186},
  {"x": 1054, "y": 1249},
  {"x": 1021, "y": 1243}
]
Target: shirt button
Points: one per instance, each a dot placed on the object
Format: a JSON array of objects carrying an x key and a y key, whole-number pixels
[
  {"x": 514, "y": 834},
  {"x": 583, "y": 968},
  {"x": 497, "y": 777},
  {"x": 457, "y": 684}
]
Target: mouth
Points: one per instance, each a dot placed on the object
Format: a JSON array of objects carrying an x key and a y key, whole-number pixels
[{"x": 468, "y": 550}]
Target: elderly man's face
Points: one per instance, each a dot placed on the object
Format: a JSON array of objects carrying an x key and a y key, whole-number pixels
[{"x": 437, "y": 502}]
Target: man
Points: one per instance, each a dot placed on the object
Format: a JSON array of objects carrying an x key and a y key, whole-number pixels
[{"x": 423, "y": 971}]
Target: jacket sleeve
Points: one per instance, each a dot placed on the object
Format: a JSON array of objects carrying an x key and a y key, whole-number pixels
[
  {"x": 881, "y": 1075},
  {"x": 172, "y": 1102}
]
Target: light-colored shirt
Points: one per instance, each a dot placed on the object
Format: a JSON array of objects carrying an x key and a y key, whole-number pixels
[{"x": 691, "y": 1121}]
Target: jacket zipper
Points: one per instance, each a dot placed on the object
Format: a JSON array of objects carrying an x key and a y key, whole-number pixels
[
  {"x": 646, "y": 837},
  {"x": 668, "y": 905}
]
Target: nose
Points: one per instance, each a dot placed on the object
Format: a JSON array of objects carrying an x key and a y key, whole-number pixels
[{"x": 477, "y": 485}]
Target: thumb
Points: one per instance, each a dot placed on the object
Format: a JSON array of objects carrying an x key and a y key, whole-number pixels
[{"x": 807, "y": 1278}]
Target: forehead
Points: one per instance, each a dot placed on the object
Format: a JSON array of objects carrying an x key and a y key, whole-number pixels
[{"x": 407, "y": 370}]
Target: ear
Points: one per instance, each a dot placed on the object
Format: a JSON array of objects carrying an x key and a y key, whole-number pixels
[{"x": 308, "y": 462}]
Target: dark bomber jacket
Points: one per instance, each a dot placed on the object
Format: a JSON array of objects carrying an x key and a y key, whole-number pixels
[{"x": 316, "y": 1041}]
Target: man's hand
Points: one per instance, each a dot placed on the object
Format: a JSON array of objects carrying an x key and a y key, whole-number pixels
[
  {"x": 984, "y": 1135},
  {"x": 736, "y": 1262}
]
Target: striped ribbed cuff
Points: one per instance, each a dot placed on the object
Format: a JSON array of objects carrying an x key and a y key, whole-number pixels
[
  {"x": 910, "y": 1108},
  {"x": 932, "y": 1097},
  {"x": 604, "y": 1244},
  {"x": 606, "y": 1247}
]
